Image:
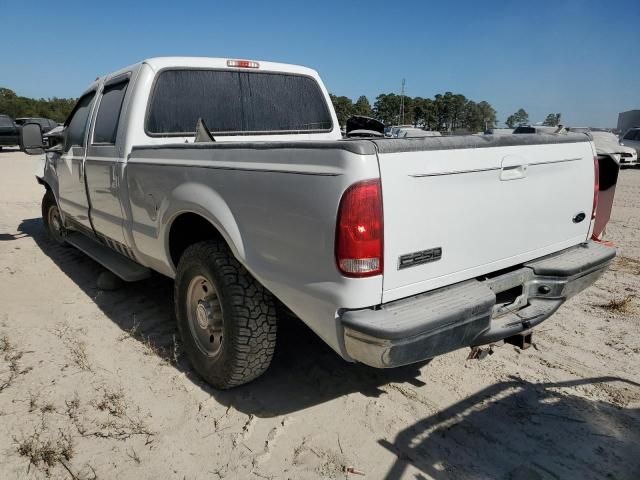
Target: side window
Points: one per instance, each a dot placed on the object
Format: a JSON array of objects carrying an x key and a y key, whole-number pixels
[
  {"x": 77, "y": 122},
  {"x": 108, "y": 117},
  {"x": 630, "y": 135}
]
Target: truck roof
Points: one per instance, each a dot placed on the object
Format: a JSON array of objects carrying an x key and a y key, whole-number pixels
[{"x": 159, "y": 63}]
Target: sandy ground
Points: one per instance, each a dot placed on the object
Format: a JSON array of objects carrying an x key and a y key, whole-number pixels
[{"x": 94, "y": 385}]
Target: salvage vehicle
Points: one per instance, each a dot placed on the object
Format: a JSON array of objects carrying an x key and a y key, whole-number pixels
[
  {"x": 527, "y": 129},
  {"x": 232, "y": 178},
  {"x": 46, "y": 124},
  {"x": 631, "y": 138},
  {"x": 8, "y": 131},
  {"x": 607, "y": 144},
  {"x": 414, "y": 132}
]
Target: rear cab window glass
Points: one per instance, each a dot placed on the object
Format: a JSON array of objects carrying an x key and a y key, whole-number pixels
[
  {"x": 108, "y": 117},
  {"x": 77, "y": 122},
  {"x": 5, "y": 121},
  {"x": 236, "y": 103}
]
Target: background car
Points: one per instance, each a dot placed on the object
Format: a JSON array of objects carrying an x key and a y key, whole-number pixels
[
  {"x": 607, "y": 144},
  {"x": 498, "y": 131},
  {"x": 8, "y": 131},
  {"x": 414, "y": 132},
  {"x": 632, "y": 139},
  {"x": 538, "y": 129},
  {"x": 46, "y": 124}
]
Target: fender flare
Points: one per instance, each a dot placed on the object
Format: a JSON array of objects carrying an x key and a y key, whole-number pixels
[{"x": 202, "y": 200}]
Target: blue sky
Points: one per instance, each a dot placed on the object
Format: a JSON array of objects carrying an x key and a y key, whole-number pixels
[{"x": 580, "y": 58}]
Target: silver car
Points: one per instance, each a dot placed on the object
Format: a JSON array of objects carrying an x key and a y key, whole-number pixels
[{"x": 632, "y": 139}]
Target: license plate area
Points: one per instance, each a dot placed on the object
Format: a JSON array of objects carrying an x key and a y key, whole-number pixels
[{"x": 511, "y": 291}]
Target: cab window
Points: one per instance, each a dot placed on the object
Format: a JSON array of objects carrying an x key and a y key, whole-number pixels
[
  {"x": 108, "y": 117},
  {"x": 77, "y": 121}
]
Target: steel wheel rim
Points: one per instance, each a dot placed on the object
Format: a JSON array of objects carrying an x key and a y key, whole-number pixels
[
  {"x": 204, "y": 313},
  {"x": 55, "y": 224}
]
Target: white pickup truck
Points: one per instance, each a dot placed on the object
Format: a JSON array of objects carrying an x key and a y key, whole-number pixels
[{"x": 392, "y": 250}]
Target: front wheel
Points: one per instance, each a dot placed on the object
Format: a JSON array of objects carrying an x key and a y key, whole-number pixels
[
  {"x": 227, "y": 320},
  {"x": 52, "y": 219}
]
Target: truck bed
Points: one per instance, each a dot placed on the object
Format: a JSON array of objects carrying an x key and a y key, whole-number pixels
[{"x": 276, "y": 205}]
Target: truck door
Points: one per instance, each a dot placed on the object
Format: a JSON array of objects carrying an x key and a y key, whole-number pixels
[
  {"x": 104, "y": 164},
  {"x": 72, "y": 194}
]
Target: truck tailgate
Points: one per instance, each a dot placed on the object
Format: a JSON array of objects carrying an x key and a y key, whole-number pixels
[{"x": 458, "y": 208}]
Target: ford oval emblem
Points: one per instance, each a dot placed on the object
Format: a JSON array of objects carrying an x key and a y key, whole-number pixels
[{"x": 579, "y": 217}]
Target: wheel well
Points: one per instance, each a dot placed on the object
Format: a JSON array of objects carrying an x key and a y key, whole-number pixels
[{"x": 187, "y": 229}]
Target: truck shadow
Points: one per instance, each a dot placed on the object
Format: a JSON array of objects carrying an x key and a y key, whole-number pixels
[
  {"x": 304, "y": 371},
  {"x": 530, "y": 431}
]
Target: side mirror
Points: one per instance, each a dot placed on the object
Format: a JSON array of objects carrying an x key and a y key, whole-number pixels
[{"x": 31, "y": 139}]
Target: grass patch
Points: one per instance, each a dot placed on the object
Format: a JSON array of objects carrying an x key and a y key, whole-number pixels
[
  {"x": 43, "y": 451},
  {"x": 112, "y": 402},
  {"x": 168, "y": 354},
  {"x": 76, "y": 347},
  {"x": 619, "y": 304},
  {"x": 12, "y": 357}
]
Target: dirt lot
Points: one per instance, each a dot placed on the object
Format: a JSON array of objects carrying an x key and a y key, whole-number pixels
[{"x": 93, "y": 383}]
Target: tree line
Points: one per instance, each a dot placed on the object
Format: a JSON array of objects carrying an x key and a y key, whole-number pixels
[
  {"x": 16, "y": 106},
  {"x": 522, "y": 117},
  {"x": 444, "y": 112},
  {"x": 448, "y": 112}
]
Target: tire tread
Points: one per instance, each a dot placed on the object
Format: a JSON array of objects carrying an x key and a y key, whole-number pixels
[{"x": 253, "y": 315}]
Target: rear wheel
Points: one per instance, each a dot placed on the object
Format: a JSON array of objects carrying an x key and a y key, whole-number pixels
[
  {"x": 52, "y": 219},
  {"x": 226, "y": 319}
]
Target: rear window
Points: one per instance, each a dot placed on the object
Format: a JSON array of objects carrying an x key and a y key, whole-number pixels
[
  {"x": 5, "y": 121},
  {"x": 236, "y": 102}
]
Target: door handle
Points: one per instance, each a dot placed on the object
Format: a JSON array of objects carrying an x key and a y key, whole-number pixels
[{"x": 513, "y": 167}]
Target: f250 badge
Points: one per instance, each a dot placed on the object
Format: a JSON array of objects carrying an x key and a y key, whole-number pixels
[{"x": 418, "y": 258}]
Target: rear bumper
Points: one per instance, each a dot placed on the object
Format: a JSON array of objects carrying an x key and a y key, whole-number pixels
[{"x": 471, "y": 313}]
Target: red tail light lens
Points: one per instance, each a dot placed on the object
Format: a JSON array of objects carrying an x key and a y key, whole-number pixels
[
  {"x": 359, "y": 230},
  {"x": 596, "y": 186},
  {"x": 242, "y": 64}
]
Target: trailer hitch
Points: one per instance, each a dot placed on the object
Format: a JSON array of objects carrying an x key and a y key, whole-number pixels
[
  {"x": 479, "y": 353},
  {"x": 522, "y": 340}
]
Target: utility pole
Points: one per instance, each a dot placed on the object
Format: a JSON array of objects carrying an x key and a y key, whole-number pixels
[{"x": 402, "y": 103}]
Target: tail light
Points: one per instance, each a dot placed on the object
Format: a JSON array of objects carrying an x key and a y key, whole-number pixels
[
  {"x": 242, "y": 64},
  {"x": 359, "y": 230},
  {"x": 596, "y": 186}
]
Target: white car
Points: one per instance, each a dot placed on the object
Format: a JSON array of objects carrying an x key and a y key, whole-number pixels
[
  {"x": 414, "y": 132},
  {"x": 632, "y": 139},
  {"x": 607, "y": 144},
  {"x": 628, "y": 156}
]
